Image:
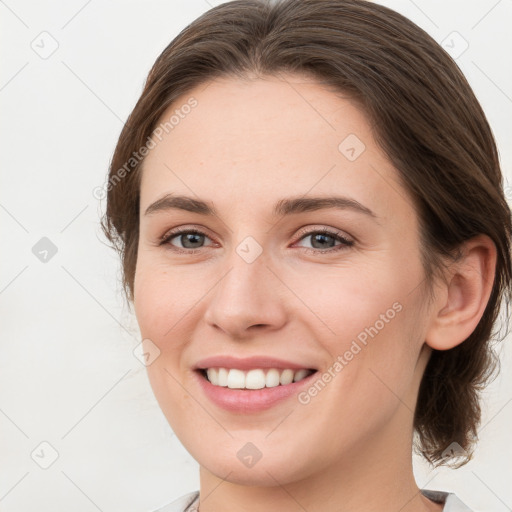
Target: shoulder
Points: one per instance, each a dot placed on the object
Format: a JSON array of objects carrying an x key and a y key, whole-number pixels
[
  {"x": 451, "y": 502},
  {"x": 187, "y": 503}
]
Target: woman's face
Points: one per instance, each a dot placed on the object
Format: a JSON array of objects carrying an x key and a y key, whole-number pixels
[{"x": 306, "y": 258}]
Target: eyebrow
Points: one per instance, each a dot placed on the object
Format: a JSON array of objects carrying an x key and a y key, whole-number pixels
[{"x": 283, "y": 207}]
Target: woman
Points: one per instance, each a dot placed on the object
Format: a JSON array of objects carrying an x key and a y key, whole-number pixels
[{"x": 308, "y": 204}]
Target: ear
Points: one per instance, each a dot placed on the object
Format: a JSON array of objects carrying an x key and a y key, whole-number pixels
[{"x": 462, "y": 299}]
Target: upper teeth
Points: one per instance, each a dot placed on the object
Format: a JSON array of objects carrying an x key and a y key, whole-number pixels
[{"x": 254, "y": 379}]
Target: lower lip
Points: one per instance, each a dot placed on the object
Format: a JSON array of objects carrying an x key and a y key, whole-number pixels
[{"x": 250, "y": 400}]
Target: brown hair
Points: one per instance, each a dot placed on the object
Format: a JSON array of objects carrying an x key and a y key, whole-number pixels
[{"x": 425, "y": 118}]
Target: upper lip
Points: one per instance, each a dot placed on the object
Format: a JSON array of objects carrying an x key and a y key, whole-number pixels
[{"x": 248, "y": 363}]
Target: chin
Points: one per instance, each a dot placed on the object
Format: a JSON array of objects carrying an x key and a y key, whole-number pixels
[{"x": 266, "y": 472}]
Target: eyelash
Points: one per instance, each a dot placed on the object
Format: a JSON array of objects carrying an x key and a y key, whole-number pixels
[{"x": 345, "y": 242}]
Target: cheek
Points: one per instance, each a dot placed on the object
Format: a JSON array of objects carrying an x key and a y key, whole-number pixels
[
  {"x": 160, "y": 304},
  {"x": 347, "y": 303},
  {"x": 162, "y": 299},
  {"x": 370, "y": 321}
]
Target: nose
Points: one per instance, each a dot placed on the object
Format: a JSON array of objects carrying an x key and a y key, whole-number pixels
[{"x": 248, "y": 300}]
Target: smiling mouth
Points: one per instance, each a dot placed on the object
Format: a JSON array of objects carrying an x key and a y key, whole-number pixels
[{"x": 257, "y": 378}]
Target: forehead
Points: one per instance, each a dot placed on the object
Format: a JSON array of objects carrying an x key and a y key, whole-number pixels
[{"x": 264, "y": 138}]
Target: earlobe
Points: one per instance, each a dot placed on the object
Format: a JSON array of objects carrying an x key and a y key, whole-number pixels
[{"x": 464, "y": 296}]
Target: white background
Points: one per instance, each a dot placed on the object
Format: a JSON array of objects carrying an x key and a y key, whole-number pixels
[{"x": 67, "y": 373}]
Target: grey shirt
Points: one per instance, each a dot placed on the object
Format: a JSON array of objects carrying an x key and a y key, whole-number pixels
[{"x": 190, "y": 502}]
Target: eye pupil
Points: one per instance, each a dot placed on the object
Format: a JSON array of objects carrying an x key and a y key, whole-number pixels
[
  {"x": 322, "y": 238},
  {"x": 191, "y": 237}
]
